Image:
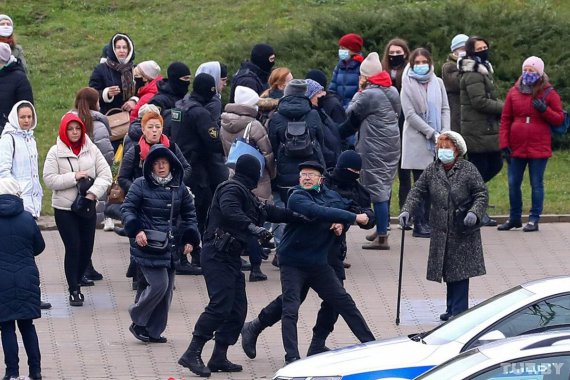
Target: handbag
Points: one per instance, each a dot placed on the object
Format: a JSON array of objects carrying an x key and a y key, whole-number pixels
[
  {"x": 241, "y": 146},
  {"x": 119, "y": 122},
  {"x": 157, "y": 241},
  {"x": 83, "y": 206},
  {"x": 115, "y": 194},
  {"x": 562, "y": 128}
]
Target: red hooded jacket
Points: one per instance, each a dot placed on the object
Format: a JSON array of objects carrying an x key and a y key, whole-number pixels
[{"x": 145, "y": 94}]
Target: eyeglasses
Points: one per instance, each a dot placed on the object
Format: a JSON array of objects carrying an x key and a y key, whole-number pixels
[{"x": 309, "y": 175}]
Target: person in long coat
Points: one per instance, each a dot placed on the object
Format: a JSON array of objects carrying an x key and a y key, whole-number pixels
[
  {"x": 458, "y": 202},
  {"x": 374, "y": 113}
]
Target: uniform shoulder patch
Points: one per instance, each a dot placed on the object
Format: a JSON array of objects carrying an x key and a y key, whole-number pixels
[
  {"x": 176, "y": 115},
  {"x": 213, "y": 132}
]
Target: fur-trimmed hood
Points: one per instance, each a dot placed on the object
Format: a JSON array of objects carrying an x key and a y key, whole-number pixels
[{"x": 466, "y": 64}]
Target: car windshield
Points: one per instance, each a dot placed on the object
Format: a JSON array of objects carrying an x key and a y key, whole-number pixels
[
  {"x": 471, "y": 318},
  {"x": 454, "y": 366}
]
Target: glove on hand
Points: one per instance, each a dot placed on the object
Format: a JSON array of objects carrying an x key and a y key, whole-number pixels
[
  {"x": 404, "y": 218},
  {"x": 470, "y": 219},
  {"x": 259, "y": 232},
  {"x": 507, "y": 154},
  {"x": 539, "y": 105}
]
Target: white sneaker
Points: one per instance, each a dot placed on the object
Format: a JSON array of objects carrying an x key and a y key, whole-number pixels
[{"x": 109, "y": 224}]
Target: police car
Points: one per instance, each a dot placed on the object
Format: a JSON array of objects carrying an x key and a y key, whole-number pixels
[
  {"x": 533, "y": 307},
  {"x": 543, "y": 356}
]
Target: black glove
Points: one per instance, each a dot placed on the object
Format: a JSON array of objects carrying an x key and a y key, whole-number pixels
[
  {"x": 506, "y": 152},
  {"x": 539, "y": 105},
  {"x": 259, "y": 232}
]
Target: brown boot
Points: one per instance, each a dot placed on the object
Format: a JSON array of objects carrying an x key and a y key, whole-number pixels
[
  {"x": 372, "y": 236},
  {"x": 380, "y": 243}
]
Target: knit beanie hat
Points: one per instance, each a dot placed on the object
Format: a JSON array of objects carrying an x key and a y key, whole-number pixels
[
  {"x": 296, "y": 87},
  {"x": 458, "y": 141},
  {"x": 313, "y": 88},
  {"x": 349, "y": 159},
  {"x": 248, "y": 171},
  {"x": 371, "y": 65},
  {"x": 148, "y": 69},
  {"x": 5, "y": 52},
  {"x": 535, "y": 62},
  {"x": 458, "y": 42},
  {"x": 352, "y": 42},
  {"x": 6, "y": 17},
  {"x": 204, "y": 85},
  {"x": 9, "y": 185},
  {"x": 246, "y": 96},
  {"x": 175, "y": 71},
  {"x": 318, "y": 76},
  {"x": 260, "y": 56}
]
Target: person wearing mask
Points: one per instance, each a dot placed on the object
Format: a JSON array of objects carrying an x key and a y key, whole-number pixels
[
  {"x": 219, "y": 72},
  {"x": 374, "y": 113},
  {"x": 426, "y": 110},
  {"x": 450, "y": 76},
  {"x": 14, "y": 84},
  {"x": 147, "y": 75},
  {"x": 20, "y": 293},
  {"x": 329, "y": 102},
  {"x": 114, "y": 78},
  {"x": 346, "y": 74},
  {"x": 480, "y": 111},
  {"x": 7, "y": 36},
  {"x": 531, "y": 107},
  {"x": 458, "y": 198},
  {"x": 269, "y": 99},
  {"x": 158, "y": 201},
  {"x": 234, "y": 217},
  {"x": 68, "y": 166},
  {"x": 255, "y": 72},
  {"x": 173, "y": 88}
]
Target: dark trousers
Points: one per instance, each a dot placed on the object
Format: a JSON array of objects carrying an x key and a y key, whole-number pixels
[
  {"x": 322, "y": 280},
  {"x": 421, "y": 214},
  {"x": 78, "y": 236},
  {"x": 225, "y": 313},
  {"x": 457, "y": 296},
  {"x": 405, "y": 179},
  {"x": 10, "y": 346},
  {"x": 254, "y": 251},
  {"x": 536, "y": 168},
  {"x": 489, "y": 164}
]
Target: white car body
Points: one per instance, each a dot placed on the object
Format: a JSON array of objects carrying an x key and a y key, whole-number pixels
[{"x": 406, "y": 358}]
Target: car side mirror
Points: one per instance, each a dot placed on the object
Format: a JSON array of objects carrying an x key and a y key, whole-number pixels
[{"x": 492, "y": 336}]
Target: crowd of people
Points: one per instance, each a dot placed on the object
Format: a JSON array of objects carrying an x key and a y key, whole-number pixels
[{"x": 325, "y": 157}]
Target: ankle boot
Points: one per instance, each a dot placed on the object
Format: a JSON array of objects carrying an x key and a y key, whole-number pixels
[
  {"x": 380, "y": 243},
  {"x": 219, "y": 361},
  {"x": 372, "y": 236},
  {"x": 317, "y": 346},
  {"x": 91, "y": 273},
  {"x": 256, "y": 274},
  {"x": 249, "y": 334},
  {"x": 421, "y": 230},
  {"x": 192, "y": 358}
]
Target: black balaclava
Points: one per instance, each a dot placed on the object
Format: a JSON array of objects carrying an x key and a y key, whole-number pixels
[
  {"x": 260, "y": 56},
  {"x": 175, "y": 71},
  {"x": 205, "y": 86},
  {"x": 348, "y": 159},
  {"x": 248, "y": 171}
]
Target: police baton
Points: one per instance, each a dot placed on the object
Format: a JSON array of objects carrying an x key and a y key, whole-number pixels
[{"x": 400, "y": 276}]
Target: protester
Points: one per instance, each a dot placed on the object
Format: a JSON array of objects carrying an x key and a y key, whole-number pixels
[
  {"x": 426, "y": 111},
  {"x": 531, "y": 106},
  {"x": 19, "y": 294},
  {"x": 70, "y": 166},
  {"x": 219, "y": 72},
  {"x": 458, "y": 198},
  {"x": 7, "y": 36},
  {"x": 146, "y": 75},
  {"x": 173, "y": 88},
  {"x": 329, "y": 102},
  {"x": 14, "y": 84},
  {"x": 255, "y": 72},
  {"x": 450, "y": 76},
  {"x": 269, "y": 99},
  {"x": 345, "y": 77},
  {"x": 158, "y": 201}
]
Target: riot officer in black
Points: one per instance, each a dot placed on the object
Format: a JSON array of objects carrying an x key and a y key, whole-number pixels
[{"x": 233, "y": 218}]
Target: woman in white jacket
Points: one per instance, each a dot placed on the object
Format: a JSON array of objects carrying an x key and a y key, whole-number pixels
[
  {"x": 426, "y": 109},
  {"x": 72, "y": 158},
  {"x": 19, "y": 155}
]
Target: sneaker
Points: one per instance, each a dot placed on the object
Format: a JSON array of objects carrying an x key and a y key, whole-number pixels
[
  {"x": 139, "y": 332},
  {"x": 530, "y": 227},
  {"x": 76, "y": 298},
  {"x": 108, "y": 225}
]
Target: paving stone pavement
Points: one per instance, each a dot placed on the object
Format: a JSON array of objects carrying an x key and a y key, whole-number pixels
[{"x": 93, "y": 342}]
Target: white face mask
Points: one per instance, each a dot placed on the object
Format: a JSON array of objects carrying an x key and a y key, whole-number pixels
[{"x": 6, "y": 30}]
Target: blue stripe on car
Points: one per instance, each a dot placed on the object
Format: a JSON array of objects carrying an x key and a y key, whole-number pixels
[{"x": 404, "y": 373}]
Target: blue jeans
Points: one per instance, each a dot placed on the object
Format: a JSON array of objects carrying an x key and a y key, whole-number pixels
[
  {"x": 536, "y": 169},
  {"x": 381, "y": 213}
]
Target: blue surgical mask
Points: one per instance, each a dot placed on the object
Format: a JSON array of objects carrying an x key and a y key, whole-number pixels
[
  {"x": 422, "y": 69},
  {"x": 530, "y": 78},
  {"x": 446, "y": 156},
  {"x": 343, "y": 54}
]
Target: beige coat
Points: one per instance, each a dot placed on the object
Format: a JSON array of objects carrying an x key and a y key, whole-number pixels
[{"x": 60, "y": 177}]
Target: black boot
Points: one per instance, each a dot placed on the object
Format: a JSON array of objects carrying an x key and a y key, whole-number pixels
[
  {"x": 192, "y": 358},
  {"x": 249, "y": 334},
  {"x": 245, "y": 266},
  {"x": 185, "y": 268},
  {"x": 219, "y": 361},
  {"x": 317, "y": 346},
  {"x": 421, "y": 230},
  {"x": 92, "y": 274},
  {"x": 487, "y": 221},
  {"x": 256, "y": 274}
]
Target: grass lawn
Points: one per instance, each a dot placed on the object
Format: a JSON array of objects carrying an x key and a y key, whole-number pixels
[{"x": 63, "y": 40}]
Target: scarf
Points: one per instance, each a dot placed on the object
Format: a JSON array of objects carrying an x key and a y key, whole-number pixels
[
  {"x": 127, "y": 79},
  {"x": 162, "y": 181},
  {"x": 145, "y": 147},
  {"x": 427, "y": 104},
  {"x": 525, "y": 89},
  {"x": 8, "y": 40},
  {"x": 381, "y": 79}
]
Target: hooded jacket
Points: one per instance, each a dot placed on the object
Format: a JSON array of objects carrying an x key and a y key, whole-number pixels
[
  {"x": 14, "y": 87},
  {"x": 101, "y": 135},
  {"x": 61, "y": 164},
  {"x": 148, "y": 206},
  {"x": 145, "y": 94},
  {"x": 19, "y": 159}
]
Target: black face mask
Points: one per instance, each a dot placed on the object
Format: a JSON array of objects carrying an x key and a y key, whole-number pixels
[
  {"x": 482, "y": 55},
  {"x": 345, "y": 175},
  {"x": 179, "y": 87},
  {"x": 396, "y": 60},
  {"x": 139, "y": 82}
]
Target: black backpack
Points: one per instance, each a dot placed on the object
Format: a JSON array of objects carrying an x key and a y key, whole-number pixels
[{"x": 298, "y": 141}]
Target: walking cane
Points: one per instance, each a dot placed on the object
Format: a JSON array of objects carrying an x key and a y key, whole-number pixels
[{"x": 400, "y": 276}]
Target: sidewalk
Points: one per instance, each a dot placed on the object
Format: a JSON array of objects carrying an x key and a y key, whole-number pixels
[{"x": 93, "y": 341}]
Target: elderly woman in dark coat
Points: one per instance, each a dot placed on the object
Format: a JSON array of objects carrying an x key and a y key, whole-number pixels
[
  {"x": 19, "y": 280},
  {"x": 458, "y": 202},
  {"x": 158, "y": 201},
  {"x": 374, "y": 113}
]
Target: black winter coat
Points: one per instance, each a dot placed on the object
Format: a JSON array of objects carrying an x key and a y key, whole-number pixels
[
  {"x": 249, "y": 75},
  {"x": 330, "y": 103},
  {"x": 147, "y": 206},
  {"x": 294, "y": 108},
  {"x": 14, "y": 86},
  {"x": 165, "y": 98},
  {"x": 19, "y": 277},
  {"x": 332, "y": 140}
]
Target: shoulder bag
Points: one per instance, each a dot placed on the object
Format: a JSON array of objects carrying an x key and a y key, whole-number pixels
[
  {"x": 157, "y": 241},
  {"x": 119, "y": 121},
  {"x": 242, "y": 146},
  {"x": 562, "y": 128},
  {"x": 83, "y": 206}
]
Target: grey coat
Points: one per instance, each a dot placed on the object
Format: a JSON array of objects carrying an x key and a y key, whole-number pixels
[
  {"x": 453, "y": 255},
  {"x": 378, "y": 142}
]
